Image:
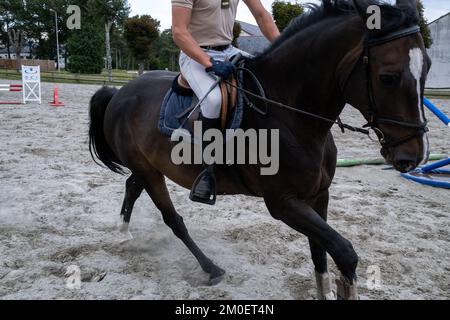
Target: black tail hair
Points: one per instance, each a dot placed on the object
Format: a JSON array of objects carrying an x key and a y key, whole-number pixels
[{"x": 98, "y": 146}]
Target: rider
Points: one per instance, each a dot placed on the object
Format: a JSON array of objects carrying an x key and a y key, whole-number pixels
[{"x": 203, "y": 30}]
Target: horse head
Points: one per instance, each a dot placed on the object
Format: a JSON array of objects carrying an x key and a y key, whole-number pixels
[{"x": 392, "y": 74}]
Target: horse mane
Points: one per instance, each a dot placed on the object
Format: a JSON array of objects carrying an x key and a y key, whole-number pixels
[{"x": 393, "y": 17}]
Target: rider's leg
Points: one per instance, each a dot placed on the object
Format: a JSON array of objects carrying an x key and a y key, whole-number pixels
[{"x": 200, "y": 82}]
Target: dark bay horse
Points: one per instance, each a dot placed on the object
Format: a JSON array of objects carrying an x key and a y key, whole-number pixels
[{"x": 325, "y": 59}]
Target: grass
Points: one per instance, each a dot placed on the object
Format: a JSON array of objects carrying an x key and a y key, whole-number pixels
[
  {"x": 119, "y": 77},
  {"x": 438, "y": 94}
]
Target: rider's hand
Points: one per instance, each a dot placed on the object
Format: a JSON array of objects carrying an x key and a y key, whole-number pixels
[{"x": 222, "y": 69}]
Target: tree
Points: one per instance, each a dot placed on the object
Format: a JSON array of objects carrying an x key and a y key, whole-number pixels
[
  {"x": 4, "y": 38},
  {"x": 83, "y": 47},
  {"x": 167, "y": 52},
  {"x": 13, "y": 14},
  {"x": 423, "y": 23},
  {"x": 140, "y": 33},
  {"x": 284, "y": 12},
  {"x": 237, "y": 30},
  {"x": 110, "y": 13},
  {"x": 32, "y": 23},
  {"x": 119, "y": 48}
]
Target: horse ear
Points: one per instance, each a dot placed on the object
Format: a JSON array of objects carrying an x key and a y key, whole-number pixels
[{"x": 361, "y": 7}]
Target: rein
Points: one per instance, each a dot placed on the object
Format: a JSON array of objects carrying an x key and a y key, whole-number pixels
[
  {"x": 375, "y": 119},
  {"x": 263, "y": 97}
]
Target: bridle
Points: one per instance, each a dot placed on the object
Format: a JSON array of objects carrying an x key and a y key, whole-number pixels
[{"x": 375, "y": 118}]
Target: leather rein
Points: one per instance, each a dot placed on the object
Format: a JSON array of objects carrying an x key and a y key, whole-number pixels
[{"x": 375, "y": 119}]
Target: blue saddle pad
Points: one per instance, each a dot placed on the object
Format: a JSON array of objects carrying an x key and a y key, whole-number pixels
[{"x": 175, "y": 104}]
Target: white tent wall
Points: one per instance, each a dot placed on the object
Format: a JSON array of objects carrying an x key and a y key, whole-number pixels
[{"x": 439, "y": 76}]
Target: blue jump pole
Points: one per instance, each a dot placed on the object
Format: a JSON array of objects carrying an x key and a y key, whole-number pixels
[
  {"x": 436, "y": 165},
  {"x": 436, "y": 111},
  {"x": 422, "y": 175}
]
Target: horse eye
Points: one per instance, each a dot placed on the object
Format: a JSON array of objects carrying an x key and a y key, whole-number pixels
[{"x": 389, "y": 79}]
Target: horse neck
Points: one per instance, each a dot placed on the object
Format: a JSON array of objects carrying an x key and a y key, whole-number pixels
[{"x": 301, "y": 72}]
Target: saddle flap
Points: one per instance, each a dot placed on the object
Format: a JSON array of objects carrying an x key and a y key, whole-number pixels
[
  {"x": 180, "y": 102},
  {"x": 229, "y": 100}
]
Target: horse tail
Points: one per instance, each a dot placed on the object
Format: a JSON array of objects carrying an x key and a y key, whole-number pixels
[{"x": 98, "y": 146}]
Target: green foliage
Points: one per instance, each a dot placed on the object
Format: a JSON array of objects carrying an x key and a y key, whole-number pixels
[
  {"x": 85, "y": 51},
  {"x": 4, "y": 39},
  {"x": 36, "y": 20},
  {"x": 426, "y": 34},
  {"x": 140, "y": 33},
  {"x": 284, "y": 12},
  {"x": 120, "y": 51},
  {"x": 104, "y": 11},
  {"x": 166, "y": 52}
]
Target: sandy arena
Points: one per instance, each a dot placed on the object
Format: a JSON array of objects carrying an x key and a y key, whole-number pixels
[{"x": 58, "y": 208}]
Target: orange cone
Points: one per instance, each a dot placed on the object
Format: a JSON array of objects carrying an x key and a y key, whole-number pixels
[{"x": 56, "y": 102}]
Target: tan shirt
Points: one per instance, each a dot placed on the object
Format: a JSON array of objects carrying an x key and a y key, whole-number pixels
[{"x": 210, "y": 24}]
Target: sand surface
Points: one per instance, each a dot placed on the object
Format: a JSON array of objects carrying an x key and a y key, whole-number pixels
[{"x": 57, "y": 209}]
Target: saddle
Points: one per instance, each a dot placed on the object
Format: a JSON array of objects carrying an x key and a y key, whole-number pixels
[
  {"x": 180, "y": 102},
  {"x": 229, "y": 99}
]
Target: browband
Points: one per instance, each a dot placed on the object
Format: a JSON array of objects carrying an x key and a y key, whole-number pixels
[{"x": 392, "y": 36}]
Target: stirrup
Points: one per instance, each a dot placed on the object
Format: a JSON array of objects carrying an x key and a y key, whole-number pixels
[{"x": 210, "y": 201}]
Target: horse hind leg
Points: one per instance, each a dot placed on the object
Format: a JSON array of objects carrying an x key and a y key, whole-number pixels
[
  {"x": 155, "y": 186},
  {"x": 134, "y": 189}
]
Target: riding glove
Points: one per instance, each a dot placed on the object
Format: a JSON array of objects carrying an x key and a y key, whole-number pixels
[{"x": 222, "y": 69}]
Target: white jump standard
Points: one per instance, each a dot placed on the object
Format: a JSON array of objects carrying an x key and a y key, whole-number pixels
[
  {"x": 31, "y": 80},
  {"x": 30, "y": 87}
]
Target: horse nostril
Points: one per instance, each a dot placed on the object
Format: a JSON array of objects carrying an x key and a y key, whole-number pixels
[{"x": 405, "y": 165}]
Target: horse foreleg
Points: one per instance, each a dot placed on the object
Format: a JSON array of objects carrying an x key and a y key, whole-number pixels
[
  {"x": 319, "y": 254},
  {"x": 157, "y": 190},
  {"x": 134, "y": 189},
  {"x": 303, "y": 218}
]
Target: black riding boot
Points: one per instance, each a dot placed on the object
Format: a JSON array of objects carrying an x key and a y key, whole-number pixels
[{"x": 204, "y": 188}]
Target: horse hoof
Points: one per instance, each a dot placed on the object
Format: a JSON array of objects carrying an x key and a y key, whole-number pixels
[
  {"x": 324, "y": 288},
  {"x": 123, "y": 226},
  {"x": 216, "y": 277},
  {"x": 125, "y": 237},
  {"x": 124, "y": 233},
  {"x": 345, "y": 290}
]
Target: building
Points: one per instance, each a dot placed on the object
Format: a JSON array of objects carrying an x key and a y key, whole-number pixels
[
  {"x": 439, "y": 76},
  {"x": 251, "y": 39},
  {"x": 24, "y": 54}
]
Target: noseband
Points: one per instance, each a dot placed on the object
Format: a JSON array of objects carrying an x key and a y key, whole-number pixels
[{"x": 375, "y": 118}]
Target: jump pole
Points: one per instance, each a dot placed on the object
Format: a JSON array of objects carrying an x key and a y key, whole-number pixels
[
  {"x": 433, "y": 174},
  {"x": 11, "y": 88},
  {"x": 30, "y": 87},
  {"x": 437, "y": 112}
]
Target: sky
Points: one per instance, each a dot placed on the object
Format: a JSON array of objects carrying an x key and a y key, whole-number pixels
[{"x": 161, "y": 9}]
